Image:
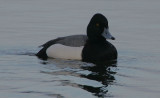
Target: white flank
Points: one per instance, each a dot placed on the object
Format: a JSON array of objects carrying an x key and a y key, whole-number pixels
[{"x": 64, "y": 52}]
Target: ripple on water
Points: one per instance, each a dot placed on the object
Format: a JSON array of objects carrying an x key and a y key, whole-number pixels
[{"x": 87, "y": 76}]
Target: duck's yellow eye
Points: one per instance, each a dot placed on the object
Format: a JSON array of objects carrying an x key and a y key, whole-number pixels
[{"x": 97, "y": 24}]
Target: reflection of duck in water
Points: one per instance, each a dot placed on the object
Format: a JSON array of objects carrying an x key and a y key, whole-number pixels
[
  {"x": 102, "y": 74},
  {"x": 91, "y": 48},
  {"x": 89, "y": 77}
]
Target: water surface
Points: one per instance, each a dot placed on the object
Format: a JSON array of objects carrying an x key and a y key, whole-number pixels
[{"x": 25, "y": 24}]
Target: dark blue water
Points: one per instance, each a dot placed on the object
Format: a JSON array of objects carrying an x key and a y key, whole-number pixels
[{"x": 27, "y": 24}]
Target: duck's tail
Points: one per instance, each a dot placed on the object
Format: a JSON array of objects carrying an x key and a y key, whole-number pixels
[{"x": 42, "y": 54}]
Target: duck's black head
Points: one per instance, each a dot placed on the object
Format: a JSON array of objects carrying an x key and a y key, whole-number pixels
[{"x": 98, "y": 29}]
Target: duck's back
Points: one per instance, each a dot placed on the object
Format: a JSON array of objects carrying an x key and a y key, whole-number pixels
[{"x": 68, "y": 47}]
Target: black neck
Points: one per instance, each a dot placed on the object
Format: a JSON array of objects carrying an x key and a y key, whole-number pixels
[{"x": 97, "y": 40}]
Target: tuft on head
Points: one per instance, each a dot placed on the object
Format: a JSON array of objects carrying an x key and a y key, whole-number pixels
[
  {"x": 99, "y": 18},
  {"x": 96, "y": 26}
]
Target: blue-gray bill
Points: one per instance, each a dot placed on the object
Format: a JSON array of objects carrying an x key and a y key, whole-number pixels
[{"x": 106, "y": 34}]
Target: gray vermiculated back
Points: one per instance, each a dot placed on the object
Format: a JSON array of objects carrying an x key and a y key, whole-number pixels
[{"x": 73, "y": 40}]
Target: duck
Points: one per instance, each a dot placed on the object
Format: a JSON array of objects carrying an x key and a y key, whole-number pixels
[{"x": 92, "y": 47}]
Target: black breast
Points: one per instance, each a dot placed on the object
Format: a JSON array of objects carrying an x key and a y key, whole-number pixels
[{"x": 98, "y": 52}]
